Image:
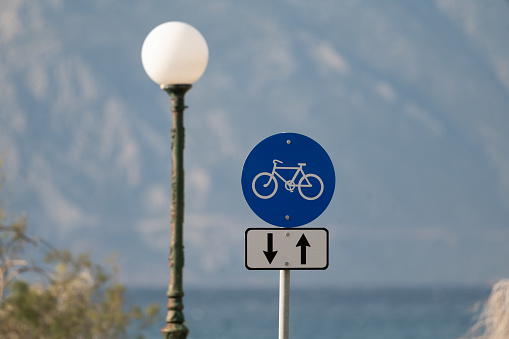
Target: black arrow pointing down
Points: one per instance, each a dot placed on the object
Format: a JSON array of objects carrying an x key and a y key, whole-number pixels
[
  {"x": 303, "y": 243},
  {"x": 270, "y": 253}
]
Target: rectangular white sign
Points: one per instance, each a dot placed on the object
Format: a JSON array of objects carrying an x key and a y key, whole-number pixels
[{"x": 287, "y": 249}]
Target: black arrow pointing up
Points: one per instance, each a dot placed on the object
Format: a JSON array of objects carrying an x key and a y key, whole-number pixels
[
  {"x": 303, "y": 243},
  {"x": 270, "y": 253}
]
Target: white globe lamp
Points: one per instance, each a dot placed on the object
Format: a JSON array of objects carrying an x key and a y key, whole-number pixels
[{"x": 174, "y": 53}]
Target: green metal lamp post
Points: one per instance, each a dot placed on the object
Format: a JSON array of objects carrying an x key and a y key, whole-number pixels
[{"x": 175, "y": 55}]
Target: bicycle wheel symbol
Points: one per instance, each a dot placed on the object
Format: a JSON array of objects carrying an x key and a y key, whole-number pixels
[
  {"x": 306, "y": 190},
  {"x": 270, "y": 191}
]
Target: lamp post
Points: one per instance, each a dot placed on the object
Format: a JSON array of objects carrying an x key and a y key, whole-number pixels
[{"x": 175, "y": 55}]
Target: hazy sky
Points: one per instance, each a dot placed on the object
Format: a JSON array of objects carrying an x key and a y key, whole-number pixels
[{"x": 409, "y": 98}]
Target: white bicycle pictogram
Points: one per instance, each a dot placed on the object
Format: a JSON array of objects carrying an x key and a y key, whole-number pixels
[{"x": 290, "y": 185}]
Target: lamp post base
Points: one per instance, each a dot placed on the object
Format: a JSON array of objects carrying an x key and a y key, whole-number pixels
[{"x": 175, "y": 331}]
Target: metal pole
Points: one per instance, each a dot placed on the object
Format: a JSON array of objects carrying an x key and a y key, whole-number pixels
[
  {"x": 284, "y": 304},
  {"x": 175, "y": 328}
]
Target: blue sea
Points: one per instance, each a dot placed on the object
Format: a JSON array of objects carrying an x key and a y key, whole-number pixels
[{"x": 325, "y": 313}]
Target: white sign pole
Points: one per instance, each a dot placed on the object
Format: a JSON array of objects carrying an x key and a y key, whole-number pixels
[{"x": 284, "y": 304}]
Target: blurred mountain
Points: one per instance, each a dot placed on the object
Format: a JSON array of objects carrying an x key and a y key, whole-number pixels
[{"x": 409, "y": 98}]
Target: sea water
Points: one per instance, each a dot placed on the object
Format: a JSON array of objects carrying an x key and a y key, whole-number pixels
[{"x": 325, "y": 313}]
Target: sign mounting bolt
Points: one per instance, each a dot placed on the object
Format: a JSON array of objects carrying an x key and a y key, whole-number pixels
[
  {"x": 288, "y": 142},
  {"x": 287, "y": 263},
  {"x": 287, "y": 217}
]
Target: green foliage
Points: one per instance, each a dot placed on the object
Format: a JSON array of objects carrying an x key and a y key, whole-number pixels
[{"x": 73, "y": 297}]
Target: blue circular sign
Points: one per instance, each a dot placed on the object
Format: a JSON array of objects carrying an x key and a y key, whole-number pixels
[{"x": 288, "y": 180}]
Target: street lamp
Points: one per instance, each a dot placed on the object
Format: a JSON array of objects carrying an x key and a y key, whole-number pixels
[{"x": 175, "y": 55}]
